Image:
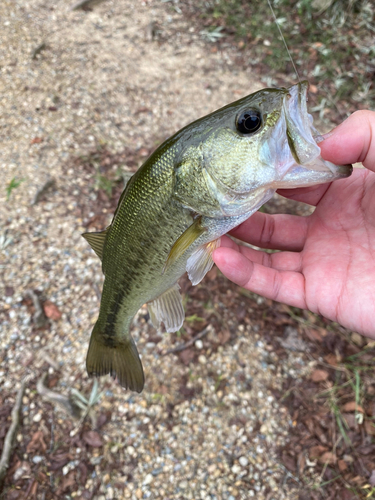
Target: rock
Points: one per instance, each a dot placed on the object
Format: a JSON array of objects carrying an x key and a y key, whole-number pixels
[
  {"x": 202, "y": 359},
  {"x": 148, "y": 479},
  {"x": 199, "y": 344},
  {"x": 236, "y": 469}
]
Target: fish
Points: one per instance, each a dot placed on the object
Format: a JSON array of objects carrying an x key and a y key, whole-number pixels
[{"x": 199, "y": 184}]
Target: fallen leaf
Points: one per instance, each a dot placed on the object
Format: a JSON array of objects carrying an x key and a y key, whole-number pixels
[
  {"x": 367, "y": 449},
  {"x": 67, "y": 482},
  {"x": 59, "y": 460},
  {"x": 370, "y": 428},
  {"x": 37, "y": 140},
  {"x": 143, "y": 109},
  {"x": 143, "y": 152},
  {"x": 350, "y": 420},
  {"x": 223, "y": 336},
  {"x": 352, "y": 406},
  {"x": 37, "y": 443},
  {"x": 212, "y": 274},
  {"x": 289, "y": 462},
  {"x": 93, "y": 438},
  {"x": 186, "y": 356},
  {"x": 313, "y": 335},
  {"x": 342, "y": 465},
  {"x": 345, "y": 494},
  {"x": 301, "y": 462},
  {"x": 9, "y": 291},
  {"x": 319, "y": 375},
  {"x": 372, "y": 478},
  {"x": 328, "y": 457},
  {"x": 331, "y": 359},
  {"x": 316, "y": 451},
  {"x": 357, "y": 339},
  {"x": 22, "y": 470},
  {"x": 51, "y": 310}
]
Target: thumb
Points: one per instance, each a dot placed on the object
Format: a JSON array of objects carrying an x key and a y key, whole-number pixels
[{"x": 352, "y": 141}]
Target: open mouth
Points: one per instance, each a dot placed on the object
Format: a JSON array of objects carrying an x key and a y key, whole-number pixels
[{"x": 302, "y": 138}]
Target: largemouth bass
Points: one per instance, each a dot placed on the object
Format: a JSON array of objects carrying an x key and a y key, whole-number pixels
[{"x": 198, "y": 185}]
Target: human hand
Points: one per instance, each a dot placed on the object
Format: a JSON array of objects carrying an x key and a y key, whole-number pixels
[{"x": 327, "y": 260}]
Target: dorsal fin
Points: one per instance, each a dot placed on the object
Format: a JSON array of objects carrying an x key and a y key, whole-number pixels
[{"x": 96, "y": 241}]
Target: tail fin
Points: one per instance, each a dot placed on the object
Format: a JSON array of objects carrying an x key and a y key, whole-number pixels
[{"x": 120, "y": 360}]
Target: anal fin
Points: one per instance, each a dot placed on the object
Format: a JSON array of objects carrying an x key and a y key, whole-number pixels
[
  {"x": 168, "y": 308},
  {"x": 200, "y": 261}
]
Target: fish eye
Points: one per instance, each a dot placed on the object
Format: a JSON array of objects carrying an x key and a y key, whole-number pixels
[{"x": 249, "y": 121}]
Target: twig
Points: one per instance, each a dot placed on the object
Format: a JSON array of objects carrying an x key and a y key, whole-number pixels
[
  {"x": 50, "y": 183},
  {"x": 9, "y": 438},
  {"x": 38, "y": 50},
  {"x": 63, "y": 402},
  {"x": 182, "y": 347},
  {"x": 87, "y": 412},
  {"x": 39, "y": 317}
]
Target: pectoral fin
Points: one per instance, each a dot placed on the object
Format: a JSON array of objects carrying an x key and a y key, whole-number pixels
[
  {"x": 186, "y": 239},
  {"x": 200, "y": 261},
  {"x": 96, "y": 241},
  {"x": 168, "y": 308}
]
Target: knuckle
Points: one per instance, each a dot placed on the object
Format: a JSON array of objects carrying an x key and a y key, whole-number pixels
[
  {"x": 276, "y": 285},
  {"x": 268, "y": 230},
  {"x": 266, "y": 259}
]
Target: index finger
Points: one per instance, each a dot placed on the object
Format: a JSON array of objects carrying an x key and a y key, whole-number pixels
[
  {"x": 278, "y": 232},
  {"x": 352, "y": 141}
]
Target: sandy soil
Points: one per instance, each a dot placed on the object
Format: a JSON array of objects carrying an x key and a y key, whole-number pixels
[{"x": 121, "y": 76}]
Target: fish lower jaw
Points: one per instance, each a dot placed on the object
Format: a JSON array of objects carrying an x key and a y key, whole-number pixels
[{"x": 317, "y": 172}]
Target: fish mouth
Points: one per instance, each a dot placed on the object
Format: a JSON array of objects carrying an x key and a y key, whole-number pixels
[{"x": 308, "y": 167}]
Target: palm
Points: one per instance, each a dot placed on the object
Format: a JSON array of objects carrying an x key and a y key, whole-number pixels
[
  {"x": 338, "y": 258},
  {"x": 327, "y": 262}
]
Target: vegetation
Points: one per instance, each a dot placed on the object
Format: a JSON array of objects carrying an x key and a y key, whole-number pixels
[{"x": 331, "y": 43}]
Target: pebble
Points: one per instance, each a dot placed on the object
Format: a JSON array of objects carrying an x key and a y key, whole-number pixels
[
  {"x": 243, "y": 461},
  {"x": 148, "y": 479},
  {"x": 130, "y": 450},
  {"x": 37, "y": 417},
  {"x": 236, "y": 469},
  {"x": 37, "y": 459},
  {"x": 199, "y": 344},
  {"x": 110, "y": 494},
  {"x": 202, "y": 359}
]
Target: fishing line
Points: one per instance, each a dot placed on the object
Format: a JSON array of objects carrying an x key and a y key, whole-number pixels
[{"x": 283, "y": 39}]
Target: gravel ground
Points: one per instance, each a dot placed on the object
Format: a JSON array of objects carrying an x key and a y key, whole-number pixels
[{"x": 125, "y": 75}]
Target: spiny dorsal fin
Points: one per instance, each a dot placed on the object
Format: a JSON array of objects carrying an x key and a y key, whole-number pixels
[
  {"x": 96, "y": 241},
  {"x": 167, "y": 308},
  {"x": 186, "y": 239}
]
